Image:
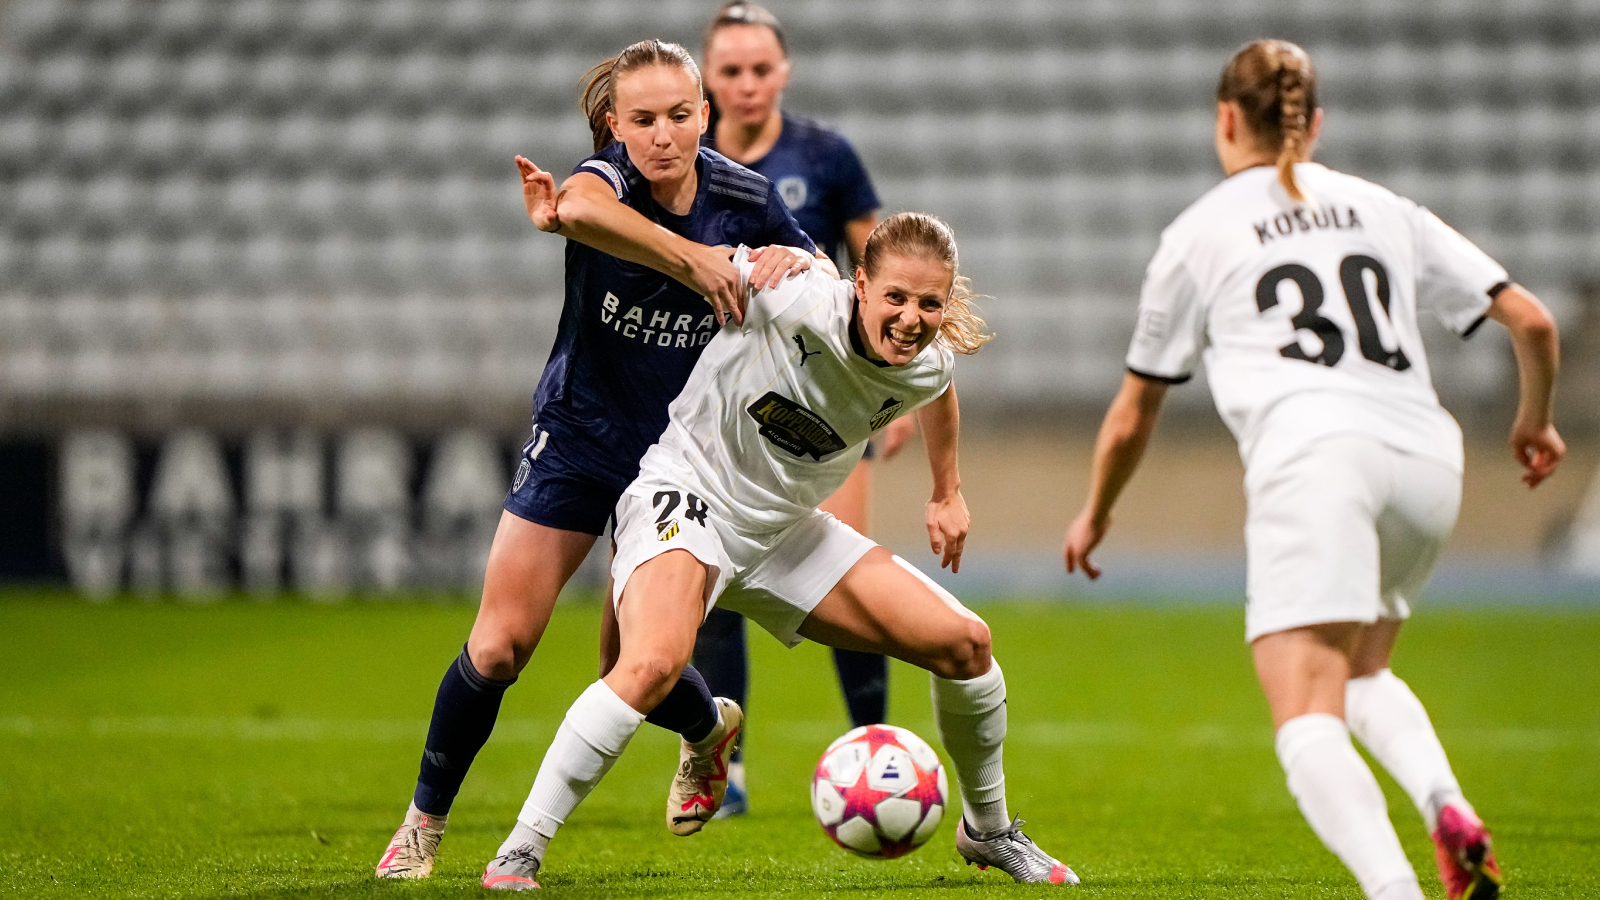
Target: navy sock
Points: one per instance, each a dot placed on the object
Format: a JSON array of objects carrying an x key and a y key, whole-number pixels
[
  {"x": 720, "y": 654},
  {"x": 463, "y": 716},
  {"x": 688, "y": 708},
  {"x": 864, "y": 678}
]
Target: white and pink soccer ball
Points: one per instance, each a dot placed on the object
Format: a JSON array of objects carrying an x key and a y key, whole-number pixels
[{"x": 879, "y": 791}]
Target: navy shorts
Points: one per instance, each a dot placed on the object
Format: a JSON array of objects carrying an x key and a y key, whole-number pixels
[{"x": 559, "y": 492}]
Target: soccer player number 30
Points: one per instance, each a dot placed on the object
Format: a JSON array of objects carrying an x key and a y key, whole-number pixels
[{"x": 1352, "y": 277}]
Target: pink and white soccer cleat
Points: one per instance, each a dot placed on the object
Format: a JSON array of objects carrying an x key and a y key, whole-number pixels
[
  {"x": 701, "y": 781},
  {"x": 410, "y": 852},
  {"x": 513, "y": 870},
  {"x": 1466, "y": 860},
  {"x": 1013, "y": 853}
]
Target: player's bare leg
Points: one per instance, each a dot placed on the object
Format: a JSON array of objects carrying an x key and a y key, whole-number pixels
[
  {"x": 1393, "y": 725},
  {"x": 528, "y": 565},
  {"x": 660, "y": 609},
  {"x": 883, "y": 605},
  {"x": 1303, "y": 672}
]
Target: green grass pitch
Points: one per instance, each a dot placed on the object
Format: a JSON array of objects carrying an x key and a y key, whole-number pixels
[{"x": 268, "y": 750}]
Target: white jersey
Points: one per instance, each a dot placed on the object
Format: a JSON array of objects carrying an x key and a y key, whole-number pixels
[
  {"x": 777, "y": 412},
  {"x": 1306, "y": 313}
]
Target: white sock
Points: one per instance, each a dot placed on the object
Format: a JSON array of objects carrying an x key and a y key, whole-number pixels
[
  {"x": 1344, "y": 805},
  {"x": 594, "y": 733},
  {"x": 1391, "y": 722},
  {"x": 972, "y": 725}
]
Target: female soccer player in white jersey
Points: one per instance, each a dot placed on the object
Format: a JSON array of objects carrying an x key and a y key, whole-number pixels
[
  {"x": 822, "y": 181},
  {"x": 723, "y": 512},
  {"x": 1301, "y": 287}
]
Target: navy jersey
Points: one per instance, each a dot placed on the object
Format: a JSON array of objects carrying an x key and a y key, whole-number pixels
[
  {"x": 819, "y": 177},
  {"x": 629, "y": 335}
]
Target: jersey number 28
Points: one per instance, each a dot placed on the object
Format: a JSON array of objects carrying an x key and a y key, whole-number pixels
[{"x": 1352, "y": 271}]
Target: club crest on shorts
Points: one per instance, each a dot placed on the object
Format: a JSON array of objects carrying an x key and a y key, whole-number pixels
[
  {"x": 523, "y": 468},
  {"x": 794, "y": 428},
  {"x": 886, "y": 413},
  {"x": 666, "y": 531}
]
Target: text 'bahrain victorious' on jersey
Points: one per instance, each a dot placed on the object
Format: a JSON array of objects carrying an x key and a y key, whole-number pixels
[
  {"x": 1306, "y": 312},
  {"x": 777, "y": 412}
]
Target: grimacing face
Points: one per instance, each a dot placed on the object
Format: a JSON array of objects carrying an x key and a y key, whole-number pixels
[
  {"x": 902, "y": 306},
  {"x": 746, "y": 71},
  {"x": 659, "y": 116}
]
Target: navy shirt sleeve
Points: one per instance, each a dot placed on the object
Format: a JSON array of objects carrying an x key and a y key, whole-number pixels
[
  {"x": 611, "y": 164},
  {"x": 854, "y": 195}
]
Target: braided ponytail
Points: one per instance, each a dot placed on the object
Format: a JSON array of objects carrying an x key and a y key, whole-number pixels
[
  {"x": 597, "y": 92},
  {"x": 1275, "y": 86}
]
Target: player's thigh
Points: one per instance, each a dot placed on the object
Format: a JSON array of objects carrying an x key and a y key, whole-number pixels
[
  {"x": 884, "y": 605},
  {"x": 1304, "y": 670},
  {"x": 528, "y": 565},
  {"x": 852, "y": 502},
  {"x": 1310, "y": 537},
  {"x": 1414, "y": 528}
]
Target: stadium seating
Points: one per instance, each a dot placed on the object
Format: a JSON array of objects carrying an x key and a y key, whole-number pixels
[{"x": 255, "y": 201}]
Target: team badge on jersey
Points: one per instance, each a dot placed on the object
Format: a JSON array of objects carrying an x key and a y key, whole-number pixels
[
  {"x": 792, "y": 189},
  {"x": 886, "y": 414},
  {"x": 794, "y": 428},
  {"x": 666, "y": 531}
]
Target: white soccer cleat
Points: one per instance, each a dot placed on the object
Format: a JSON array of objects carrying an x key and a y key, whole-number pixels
[
  {"x": 410, "y": 852},
  {"x": 1013, "y": 853},
  {"x": 702, "y": 777},
  {"x": 513, "y": 870}
]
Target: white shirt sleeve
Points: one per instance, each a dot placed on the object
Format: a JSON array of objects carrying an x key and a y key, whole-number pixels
[
  {"x": 1454, "y": 277},
  {"x": 765, "y": 305},
  {"x": 1170, "y": 332}
]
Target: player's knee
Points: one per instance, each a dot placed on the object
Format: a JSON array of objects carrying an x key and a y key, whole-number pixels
[
  {"x": 652, "y": 673},
  {"x": 501, "y": 657},
  {"x": 967, "y": 653}
]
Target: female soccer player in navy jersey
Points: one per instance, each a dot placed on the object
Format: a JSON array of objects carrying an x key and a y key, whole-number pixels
[
  {"x": 651, "y": 219},
  {"x": 1300, "y": 287},
  {"x": 822, "y": 181}
]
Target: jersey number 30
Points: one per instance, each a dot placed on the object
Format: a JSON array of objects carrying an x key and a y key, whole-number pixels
[{"x": 1352, "y": 277}]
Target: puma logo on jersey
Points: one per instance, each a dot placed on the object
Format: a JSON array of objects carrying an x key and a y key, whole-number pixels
[
  {"x": 794, "y": 428},
  {"x": 1306, "y": 218},
  {"x": 886, "y": 413},
  {"x": 800, "y": 341}
]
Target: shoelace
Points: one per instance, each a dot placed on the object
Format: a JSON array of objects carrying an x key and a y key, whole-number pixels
[{"x": 522, "y": 853}]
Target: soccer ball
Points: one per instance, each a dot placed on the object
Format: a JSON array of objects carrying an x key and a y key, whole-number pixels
[{"x": 879, "y": 791}]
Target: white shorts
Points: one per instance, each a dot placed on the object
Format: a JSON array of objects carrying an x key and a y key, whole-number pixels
[
  {"x": 775, "y": 579},
  {"x": 1347, "y": 531}
]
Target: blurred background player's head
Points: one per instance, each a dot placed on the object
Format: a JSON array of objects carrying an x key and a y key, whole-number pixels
[
  {"x": 911, "y": 292},
  {"x": 1267, "y": 109},
  {"x": 649, "y": 98},
  {"x": 747, "y": 63}
]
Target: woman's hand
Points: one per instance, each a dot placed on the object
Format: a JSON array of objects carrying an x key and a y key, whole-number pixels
[
  {"x": 774, "y": 264},
  {"x": 1083, "y": 535},
  {"x": 1538, "y": 448},
  {"x": 711, "y": 273},
  {"x": 948, "y": 522},
  {"x": 539, "y": 195}
]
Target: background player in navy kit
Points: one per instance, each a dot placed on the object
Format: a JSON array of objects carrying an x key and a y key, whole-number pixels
[
  {"x": 644, "y": 217},
  {"x": 822, "y": 181}
]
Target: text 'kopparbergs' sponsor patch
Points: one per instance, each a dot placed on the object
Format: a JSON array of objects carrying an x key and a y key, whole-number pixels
[{"x": 794, "y": 428}]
